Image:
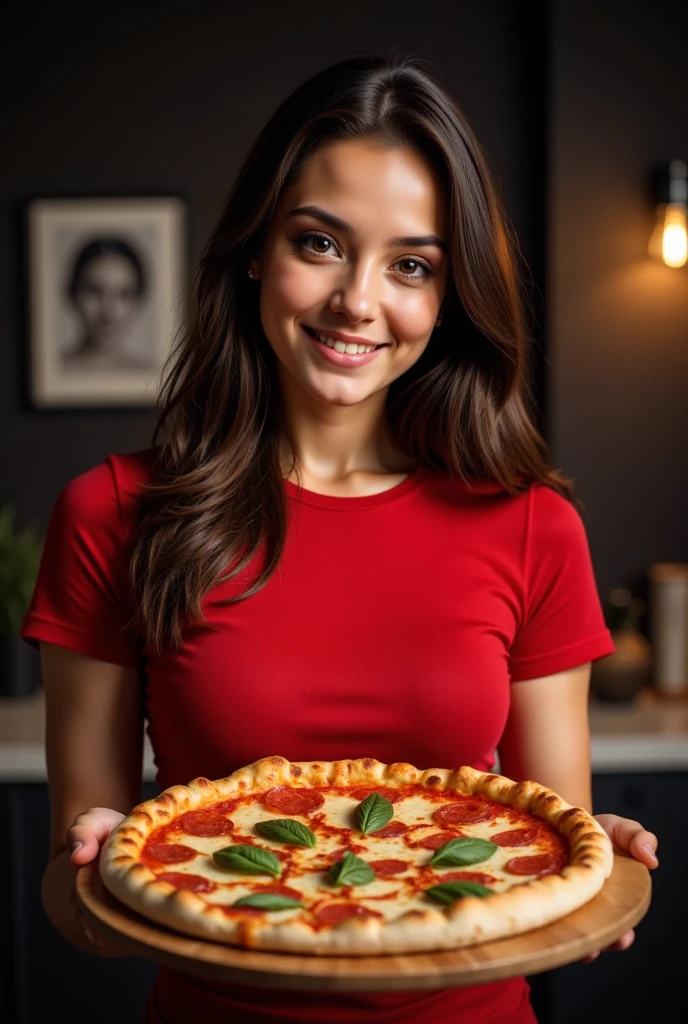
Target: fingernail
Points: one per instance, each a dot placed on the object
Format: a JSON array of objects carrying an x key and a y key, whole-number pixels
[
  {"x": 652, "y": 853},
  {"x": 75, "y": 847}
]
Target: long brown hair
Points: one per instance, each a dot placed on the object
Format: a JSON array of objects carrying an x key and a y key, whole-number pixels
[{"x": 462, "y": 409}]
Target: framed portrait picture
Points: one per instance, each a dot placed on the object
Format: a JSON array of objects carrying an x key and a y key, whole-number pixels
[{"x": 106, "y": 279}]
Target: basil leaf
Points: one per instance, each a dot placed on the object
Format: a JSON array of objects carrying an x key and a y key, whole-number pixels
[
  {"x": 374, "y": 812},
  {"x": 251, "y": 860},
  {"x": 284, "y": 830},
  {"x": 460, "y": 852},
  {"x": 450, "y": 892},
  {"x": 268, "y": 901},
  {"x": 351, "y": 870}
]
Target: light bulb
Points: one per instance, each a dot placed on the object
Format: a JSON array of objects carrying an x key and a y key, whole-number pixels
[
  {"x": 669, "y": 241},
  {"x": 675, "y": 236}
]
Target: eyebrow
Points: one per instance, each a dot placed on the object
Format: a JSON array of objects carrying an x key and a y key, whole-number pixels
[{"x": 413, "y": 241}]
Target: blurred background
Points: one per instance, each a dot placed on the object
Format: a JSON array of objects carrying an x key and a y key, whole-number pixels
[{"x": 124, "y": 125}]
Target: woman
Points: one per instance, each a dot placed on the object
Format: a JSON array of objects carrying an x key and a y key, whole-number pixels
[
  {"x": 106, "y": 288},
  {"x": 328, "y": 555}
]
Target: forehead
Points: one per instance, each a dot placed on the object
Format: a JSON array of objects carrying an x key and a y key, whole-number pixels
[
  {"x": 373, "y": 185},
  {"x": 111, "y": 266}
]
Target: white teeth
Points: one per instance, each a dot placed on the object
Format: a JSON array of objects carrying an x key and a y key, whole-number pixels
[{"x": 339, "y": 346}]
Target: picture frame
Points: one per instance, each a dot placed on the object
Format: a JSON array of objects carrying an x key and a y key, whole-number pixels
[{"x": 106, "y": 281}]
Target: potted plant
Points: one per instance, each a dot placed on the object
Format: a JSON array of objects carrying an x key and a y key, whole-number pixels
[{"x": 20, "y": 555}]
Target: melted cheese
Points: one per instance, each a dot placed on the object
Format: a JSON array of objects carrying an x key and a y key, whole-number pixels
[{"x": 306, "y": 869}]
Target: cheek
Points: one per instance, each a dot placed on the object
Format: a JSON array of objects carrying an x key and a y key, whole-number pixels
[
  {"x": 290, "y": 288},
  {"x": 411, "y": 315},
  {"x": 123, "y": 308},
  {"x": 89, "y": 306}
]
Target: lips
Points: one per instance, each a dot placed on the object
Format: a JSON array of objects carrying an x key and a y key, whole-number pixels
[
  {"x": 335, "y": 357},
  {"x": 335, "y": 336}
]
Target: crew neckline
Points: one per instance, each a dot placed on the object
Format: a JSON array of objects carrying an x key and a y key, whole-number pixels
[{"x": 343, "y": 503}]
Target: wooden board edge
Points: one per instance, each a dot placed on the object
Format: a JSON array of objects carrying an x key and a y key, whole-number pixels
[{"x": 493, "y": 961}]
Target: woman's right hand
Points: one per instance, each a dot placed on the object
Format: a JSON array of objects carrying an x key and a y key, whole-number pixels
[{"x": 84, "y": 840}]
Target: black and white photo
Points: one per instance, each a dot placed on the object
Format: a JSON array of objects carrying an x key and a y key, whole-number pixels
[{"x": 106, "y": 278}]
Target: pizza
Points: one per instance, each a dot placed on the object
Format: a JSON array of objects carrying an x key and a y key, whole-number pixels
[{"x": 355, "y": 857}]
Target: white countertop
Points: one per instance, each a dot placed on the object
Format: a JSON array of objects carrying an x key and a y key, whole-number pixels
[{"x": 649, "y": 735}]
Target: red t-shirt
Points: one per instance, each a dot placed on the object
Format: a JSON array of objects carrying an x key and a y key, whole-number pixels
[{"x": 393, "y": 628}]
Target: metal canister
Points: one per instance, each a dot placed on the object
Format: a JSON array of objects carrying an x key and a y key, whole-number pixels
[{"x": 669, "y": 627}]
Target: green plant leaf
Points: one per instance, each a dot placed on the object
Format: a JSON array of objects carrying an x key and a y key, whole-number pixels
[
  {"x": 351, "y": 870},
  {"x": 20, "y": 556},
  {"x": 461, "y": 852},
  {"x": 251, "y": 860},
  {"x": 374, "y": 812},
  {"x": 450, "y": 892},
  {"x": 285, "y": 830},
  {"x": 268, "y": 901}
]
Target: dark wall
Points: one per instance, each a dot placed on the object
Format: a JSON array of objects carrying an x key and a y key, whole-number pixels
[
  {"x": 618, "y": 321},
  {"x": 167, "y": 97},
  {"x": 112, "y": 98}
]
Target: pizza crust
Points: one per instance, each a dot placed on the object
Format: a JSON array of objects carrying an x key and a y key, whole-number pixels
[{"x": 469, "y": 921}]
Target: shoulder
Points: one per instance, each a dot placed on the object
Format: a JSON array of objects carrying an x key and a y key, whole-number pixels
[
  {"x": 554, "y": 519},
  {"x": 537, "y": 520},
  {"x": 109, "y": 491}
]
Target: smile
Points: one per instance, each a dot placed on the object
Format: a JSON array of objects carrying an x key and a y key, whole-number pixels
[{"x": 335, "y": 351}]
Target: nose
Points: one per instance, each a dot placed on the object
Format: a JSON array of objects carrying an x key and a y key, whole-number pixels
[{"x": 357, "y": 295}]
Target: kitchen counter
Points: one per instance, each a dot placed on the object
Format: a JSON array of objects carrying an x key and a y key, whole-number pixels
[{"x": 649, "y": 735}]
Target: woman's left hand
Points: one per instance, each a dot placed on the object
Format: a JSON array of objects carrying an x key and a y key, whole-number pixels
[{"x": 630, "y": 837}]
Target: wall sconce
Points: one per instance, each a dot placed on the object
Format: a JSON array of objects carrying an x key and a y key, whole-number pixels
[{"x": 669, "y": 240}]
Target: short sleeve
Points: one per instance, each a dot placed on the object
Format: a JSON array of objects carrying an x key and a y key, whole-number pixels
[
  {"x": 81, "y": 599},
  {"x": 563, "y": 625}
]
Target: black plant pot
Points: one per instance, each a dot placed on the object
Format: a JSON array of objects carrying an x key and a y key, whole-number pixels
[{"x": 20, "y": 668}]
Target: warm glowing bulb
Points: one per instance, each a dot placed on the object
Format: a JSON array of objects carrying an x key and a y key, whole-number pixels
[{"x": 675, "y": 235}]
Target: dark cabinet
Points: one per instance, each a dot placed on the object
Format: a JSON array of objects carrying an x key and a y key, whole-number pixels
[
  {"x": 647, "y": 981},
  {"x": 43, "y": 978}
]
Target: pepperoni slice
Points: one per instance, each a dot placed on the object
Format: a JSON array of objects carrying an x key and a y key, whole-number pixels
[
  {"x": 226, "y": 806},
  {"x": 393, "y": 795},
  {"x": 183, "y": 881},
  {"x": 386, "y": 868},
  {"x": 515, "y": 837},
  {"x": 395, "y": 828},
  {"x": 436, "y": 840},
  {"x": 468, "y": 876},
  {"x": 465, "y": 813},
  {"x": 333, "y": 913},
  {"x": 539, "y": 864},
  {"x": 338, "y": 854},
  {"x": 293, "y": 801},
  {"x": 280, "y": 890},
  {"x": 206, "y": 823},
  {"x": 168, "y": 853}
]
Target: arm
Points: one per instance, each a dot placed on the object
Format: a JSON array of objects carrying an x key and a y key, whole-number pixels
[
  {"x": 547, "y": 739},
  {"x": 547, "y": 736},
  {"x": 94, "y": 749}
]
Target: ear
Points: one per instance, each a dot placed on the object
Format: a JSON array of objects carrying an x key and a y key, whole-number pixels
[{"x": 254, "y": 267}]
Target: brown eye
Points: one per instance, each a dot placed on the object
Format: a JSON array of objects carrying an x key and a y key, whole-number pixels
[
  {"x": 413, "y": 263},
  {"x": 416, "y": 265},
  {"x": 312, "y": 238}
]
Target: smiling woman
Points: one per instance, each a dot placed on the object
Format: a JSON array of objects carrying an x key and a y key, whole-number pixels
[
  {"x": 364, "y": 212},
  {"x": 383, "y": 205},
  {"x": 346, "y": 541}
]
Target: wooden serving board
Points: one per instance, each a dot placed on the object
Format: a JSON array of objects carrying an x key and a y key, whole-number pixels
[{"x": 622, "y": 902}]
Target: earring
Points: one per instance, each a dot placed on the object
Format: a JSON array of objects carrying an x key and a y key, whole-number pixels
[{"x": 250, "y": 274}]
